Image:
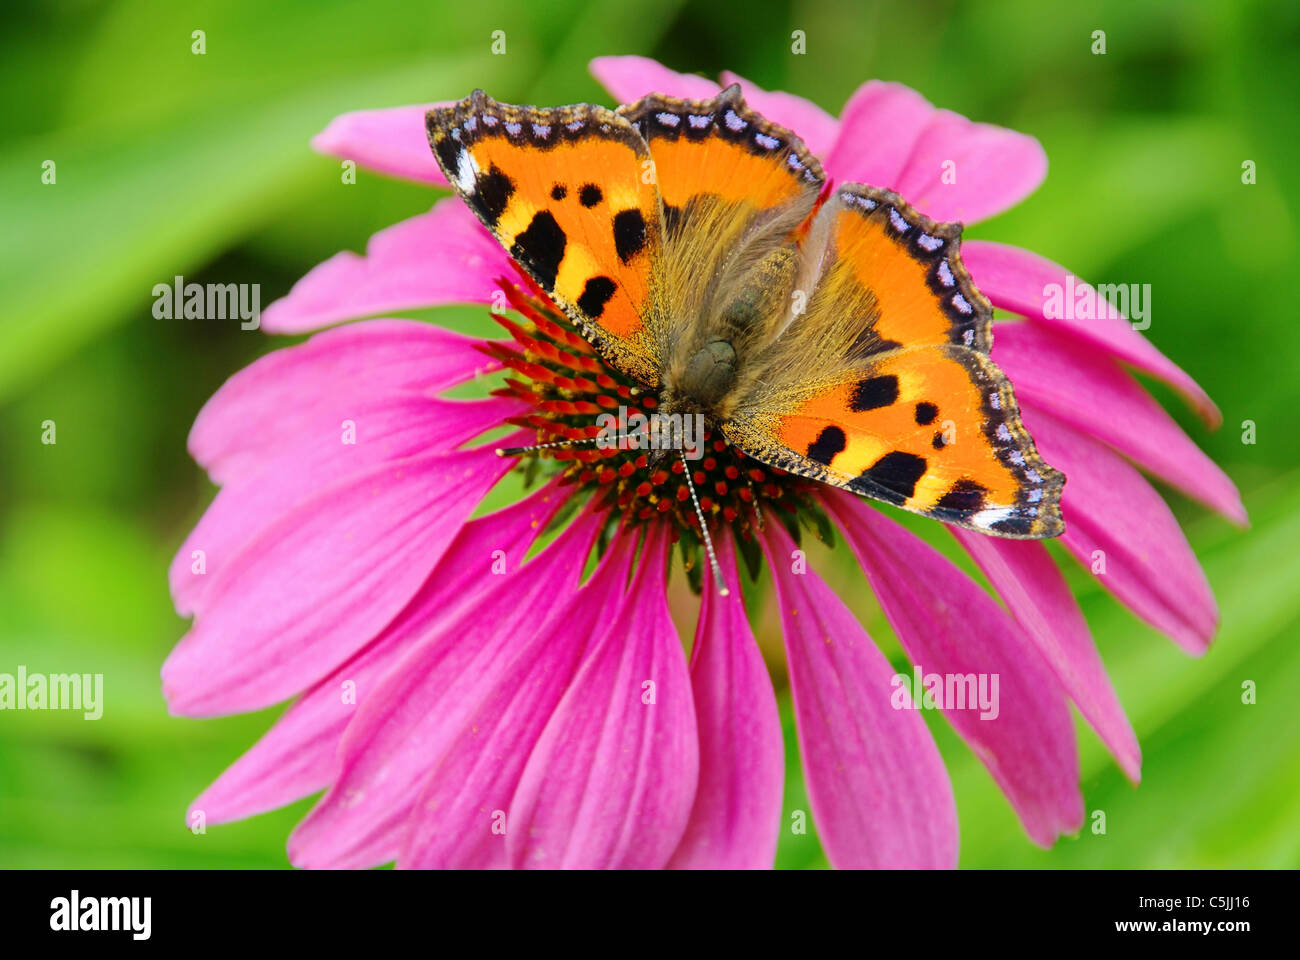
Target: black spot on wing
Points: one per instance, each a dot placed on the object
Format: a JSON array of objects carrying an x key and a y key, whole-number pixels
[
  {"x": 874, "y": 392},
  {"x": 493, "y": 192},
  {"x": 559, "y": 191},
  {"x": 540, "y": 248},
  {"x": 448, "y": 153},
  {"x": 590, "y": 195},
  {"x": 828, "y": 443},
  {"x": 595, "y": 295},
  {"x": 893, "y": 477},
  {"x": 965, "y": 496},
  {"x": 939, "y": 441},
  {"x": 925, "y": 413},
  {"x": 629, "y": 233}
]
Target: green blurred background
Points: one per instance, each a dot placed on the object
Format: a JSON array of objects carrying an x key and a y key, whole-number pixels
[{"x": 171, "y": 163}]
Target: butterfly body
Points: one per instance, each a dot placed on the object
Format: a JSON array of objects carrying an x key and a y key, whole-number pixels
[{"x": 834, "y": 334}]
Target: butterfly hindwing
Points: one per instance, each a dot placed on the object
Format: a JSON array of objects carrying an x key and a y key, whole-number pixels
[
  {"x": 567, "y": 192},
  {"x": 883, "y": 385}
]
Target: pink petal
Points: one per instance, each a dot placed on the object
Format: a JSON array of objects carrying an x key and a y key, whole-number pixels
[
  {"x": 440, "y": 257},
  {"x": 297, "y": 756},
  {"x": 879, "y": 793},
  {"x": 384, "y": 429},
  {"x": 1017, "y": 280},
  {"x": 1037, "y": 595},
  {"x": 392, "y": 141},
  {"x": 1088, "y": 390},
  {"x": 631, "y": 78},
  {"x": 737, "y": 814},
  {"x": 1109, "y": 507},
  {"x": 279, "y": 397},
  {"x": 891, "y": 136},
  {"x": 966, "y": 172},
  {"x": 815, "y": 127},
  {"x": 475, "y": 761},
  {"x": 388, "y": 751},
  {"x": 292, "y": 760},
  {"x": 949, "y": 626},
  {"x": 878, "y": 128},
  {"x": 612, "y": 778},
  {"x": 314, "y": 587}
]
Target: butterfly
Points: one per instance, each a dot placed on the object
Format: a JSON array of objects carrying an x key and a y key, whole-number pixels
[{"x": 834, "y": 334}]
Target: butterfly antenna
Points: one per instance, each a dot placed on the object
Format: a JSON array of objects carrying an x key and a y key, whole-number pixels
[
  {"x": 521, "y": 451},
  {"x": 533, "y": 448},
  {"x": 704, "y": 530}
]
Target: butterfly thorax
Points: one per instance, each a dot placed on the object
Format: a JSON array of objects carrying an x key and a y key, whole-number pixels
[
  {"x": 703, "y": 384},
  {"x": 708, "y": 371}
]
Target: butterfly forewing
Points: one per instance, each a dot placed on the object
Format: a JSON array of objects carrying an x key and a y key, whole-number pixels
[
  {"x": 735, "y": 189},
  {"x": 882, "y": 383},
  {"x": 568, "y": 192},
  {"x": 721, "y": 148}
]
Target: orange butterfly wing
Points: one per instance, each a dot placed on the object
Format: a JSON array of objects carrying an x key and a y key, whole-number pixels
[
  {"x": 720, "y": 148},
  {"x": 567, "y": 192},
  {"x": 883, "y": 384}
]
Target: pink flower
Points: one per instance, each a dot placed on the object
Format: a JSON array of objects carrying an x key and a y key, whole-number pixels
[{"x": 460, "y": 718}]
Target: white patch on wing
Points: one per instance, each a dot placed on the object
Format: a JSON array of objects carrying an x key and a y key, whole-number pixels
[
  {"x": 466, "y": 171},
  {"x": 985, "y": 519}
]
